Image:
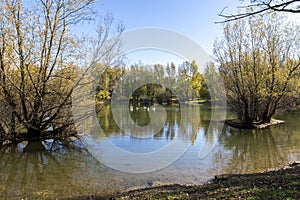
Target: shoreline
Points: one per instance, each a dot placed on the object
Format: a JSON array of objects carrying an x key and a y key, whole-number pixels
[
  {"x": 282, "y": 183},
  {"x": 275, "y": 184}
]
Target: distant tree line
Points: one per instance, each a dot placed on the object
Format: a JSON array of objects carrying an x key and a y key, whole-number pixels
[{"x": 189, "y": 82}]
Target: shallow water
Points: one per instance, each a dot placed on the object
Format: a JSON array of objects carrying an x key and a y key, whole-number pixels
[{"x": 63, "y": 169}]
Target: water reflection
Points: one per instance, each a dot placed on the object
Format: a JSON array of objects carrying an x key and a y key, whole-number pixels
[
  {"x": 188, "y": 118},
  {"x": 53, "y": 169},
  {"x": 62, "y": 169},
  {"x": 258, "y": 150},
  {"x": 252, "y": 150}
]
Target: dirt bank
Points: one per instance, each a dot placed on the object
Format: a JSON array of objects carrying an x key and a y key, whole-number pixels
[{"x": 277, "y": 184}]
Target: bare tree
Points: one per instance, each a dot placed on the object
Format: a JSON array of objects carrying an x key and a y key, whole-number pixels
[
  {"x": 39, "y": 60},
  {"x": 261, "y": 6}
]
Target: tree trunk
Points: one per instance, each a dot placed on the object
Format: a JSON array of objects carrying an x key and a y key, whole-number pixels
[
  {"x": 34, "y": 134},
  {"x": 34, "y": 146}
]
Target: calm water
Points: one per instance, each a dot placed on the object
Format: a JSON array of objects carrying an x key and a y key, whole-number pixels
[{"x": 63, "y": 169}]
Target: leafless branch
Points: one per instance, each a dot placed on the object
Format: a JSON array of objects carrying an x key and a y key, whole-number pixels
[{"x": 261, "y": 6}]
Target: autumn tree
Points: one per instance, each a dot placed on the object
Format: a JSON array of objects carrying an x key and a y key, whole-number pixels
[
  {"x": 161, "y": 82},
  {"x": 196, "y": 81},
  {"x": 259, "y": 60},
  {"x": 108, "y": 81},
  {"x": 190, "y": 80},
  {"x": 39, "y": 60},
  {"x": 212, "y": 80}
]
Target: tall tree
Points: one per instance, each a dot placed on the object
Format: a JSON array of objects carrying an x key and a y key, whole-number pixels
[
  {"x": 196, "y": 80},
  {"x": 37, "y": 65},
  {"x": 108, "y": 81},
  {"x": 190, "y": 80},
  {"x": 259, "y": 60}
]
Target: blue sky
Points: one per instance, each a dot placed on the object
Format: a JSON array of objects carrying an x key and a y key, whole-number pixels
[{"x": 193, "y": 18}]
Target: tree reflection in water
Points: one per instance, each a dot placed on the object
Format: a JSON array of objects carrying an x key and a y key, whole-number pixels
[
  {"x": 50, "y": 169},
  {"x": 258, "y": 150},
  {"x": 64, "y": 169},
  {"x": 187, "y": 118}
]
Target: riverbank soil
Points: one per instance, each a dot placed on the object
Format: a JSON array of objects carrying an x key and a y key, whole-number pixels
[{"x": 278, "y": 184}]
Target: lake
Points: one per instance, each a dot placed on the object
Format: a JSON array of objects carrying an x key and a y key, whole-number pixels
[{"x": 64, "y": 169}]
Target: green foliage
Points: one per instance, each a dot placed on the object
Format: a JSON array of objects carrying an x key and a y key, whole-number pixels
[
  {"x": 185, "y": 78},
  {"x": 108, "y": 81}
]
